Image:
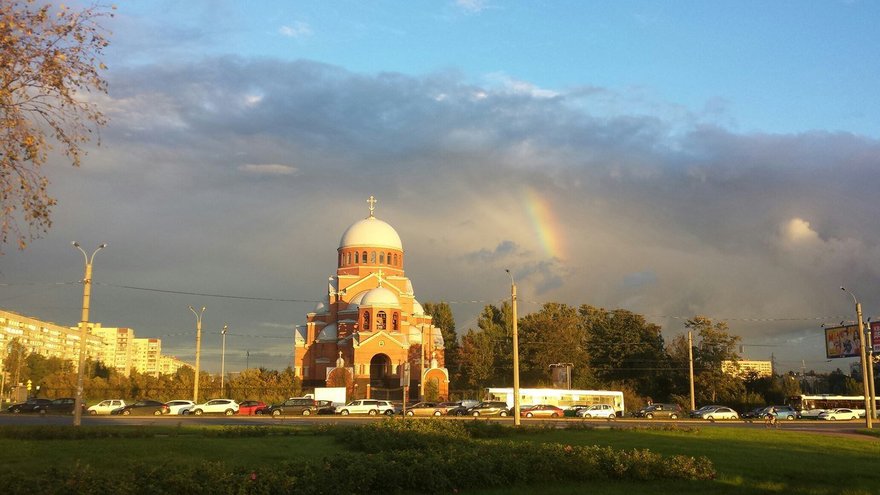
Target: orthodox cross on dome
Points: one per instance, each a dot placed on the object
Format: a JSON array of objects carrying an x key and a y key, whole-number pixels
[
  {"x": 372, "y": 201},
  {"x": 379, "y": 276}
]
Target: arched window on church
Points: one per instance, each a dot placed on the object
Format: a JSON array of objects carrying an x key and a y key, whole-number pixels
[
  {"x": 356, "y": 260},
  {"x": 394, "y": 322},
  {"x": 340, "y": 258},
  {"x": 395, "y": 259},
  {"x": 381, "y": 258},
  {"x": 380, "y": 320},
  {"x": 372, "y": 257},
  {"x": 348, "y": 258},
  {"x": 364, "y": 257},
  {"x": 389, "y": 258},
  {"x": 366, "y": 324}
]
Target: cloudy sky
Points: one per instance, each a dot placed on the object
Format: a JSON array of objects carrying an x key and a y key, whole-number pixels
[{"x": 673, "y": 159}]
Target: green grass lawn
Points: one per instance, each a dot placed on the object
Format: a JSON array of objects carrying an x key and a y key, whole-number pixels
[{"x": 746, "y": 460}]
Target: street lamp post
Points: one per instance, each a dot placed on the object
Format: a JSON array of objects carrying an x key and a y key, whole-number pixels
[
  {"x": 198, "y": 350},
  {"x": 516, "y": 418},
  {"x": 863, "y": 344},
  {"x": 83, "y": 330},
  {"x": 223, "y": 361}
]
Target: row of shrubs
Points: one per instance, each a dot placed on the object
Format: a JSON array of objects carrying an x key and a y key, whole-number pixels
[{"x": 393, "y": 456}]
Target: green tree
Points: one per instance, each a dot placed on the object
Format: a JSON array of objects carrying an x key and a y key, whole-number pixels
[
  {"x": 442, "y": 317},
  {"x": 49, "y": 57},
  {"x": 15, "y": 361},
  {"x": 552, "y": 335},
  {"x": 476, "y": 359},
  {"x": 715, "y": 346},
  {"x": 624, "y": 347}
]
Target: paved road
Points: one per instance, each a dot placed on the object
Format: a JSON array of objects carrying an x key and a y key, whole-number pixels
[{"x": 36, "y": 419}]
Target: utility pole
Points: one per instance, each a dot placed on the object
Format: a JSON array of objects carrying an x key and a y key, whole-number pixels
[
  {"x": 862, "y": 347},
  {"x": 83, "y": 331},
  {"x": 223, "y": 361},
  {"x": 516, "y": 418},
  {"x": 691, "y": 367},
  {"x": 198, "y": 350}
]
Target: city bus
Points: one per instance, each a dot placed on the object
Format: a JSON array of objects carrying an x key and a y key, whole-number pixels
[
  {"x": 810, "y": 406},
  {"x": 559, "y": 397}
]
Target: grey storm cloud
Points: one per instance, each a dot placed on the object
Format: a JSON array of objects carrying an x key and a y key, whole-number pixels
[{"x": 237, "y": 177}]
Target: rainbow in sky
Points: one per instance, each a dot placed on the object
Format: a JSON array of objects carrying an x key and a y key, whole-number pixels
[{"x": 546, "y": 224}]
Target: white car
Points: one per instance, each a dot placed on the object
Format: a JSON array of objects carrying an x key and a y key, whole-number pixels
[
  {"x": 597, "y": 411},
  {"x": 178, "y": 407},
  {"x": 106, "y": 406},
  {"x": 362, "y": 406},
  {"x": 839, "y": 414},
  {"x": 720, "y": 412},
  {"x": 216, "y": 406}
]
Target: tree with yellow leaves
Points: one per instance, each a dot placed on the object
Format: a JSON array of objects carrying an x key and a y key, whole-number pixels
[{"x": 49, "y": 63}]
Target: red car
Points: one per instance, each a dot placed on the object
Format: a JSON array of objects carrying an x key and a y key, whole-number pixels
[
  {"x": 251, "y": 408},
  {"x": 542, "y": 411}
]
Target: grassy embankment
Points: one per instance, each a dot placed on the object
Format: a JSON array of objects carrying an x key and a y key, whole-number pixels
[{"x": 746, "y": 460}]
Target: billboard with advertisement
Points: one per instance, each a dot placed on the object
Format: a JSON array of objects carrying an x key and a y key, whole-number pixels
[
  {"x": 875, "y": 336},
  {"x": 842, "y": 342}
]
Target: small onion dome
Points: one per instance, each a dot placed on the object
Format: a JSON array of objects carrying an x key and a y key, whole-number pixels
[
  {"x": 299, "y": 335},
  {"x": 415, "y": 335},
  {"x": 321, "y": 307},
  {"x": 371, "y": 232},
  {"x": 328, "y": 332},
  {"x": 358, "y": 298},
  {"x": 409, "y": 287},
  {"x": 380, "y": 296},
  {"x": 417, "y": 308},
  {"x": 437, "y": 336}
]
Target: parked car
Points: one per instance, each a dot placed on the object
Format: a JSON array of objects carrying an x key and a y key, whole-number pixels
[
  {"x": 365, "y": 406},
  {"x": 106, "y": 406},
  {"x": 389, "y": 408},
  {"x": 719, "y": 412},
  {"x": 671, "y": 411},
  {"x": 542, "y": 411},
  {"x": 29, "y": 406},
  {"x": 811, "y": 413},
  {"x": 698, "y": 413},
  {"x": 326, "y": 407},
  {"x": 63, "y": 405},
  {"x": 295, "y": 406},
  {"x": 489, "y": 408},
  {"x": 839, "y": 414},
  {"x": 216, "y": 406},
  {"x": 461, "y": 407},
  {"x": 251, "y": 408},
  {"x": 425, "y": 409},
  {"x": 754, "y": 413},
  {"x": 178, "y": 407},
  {"x": 571, "y": 411},
  {"x": 782, "y": 412},
  {"x": 597, "y": 411},
  {"x": 141, "y": 407}
]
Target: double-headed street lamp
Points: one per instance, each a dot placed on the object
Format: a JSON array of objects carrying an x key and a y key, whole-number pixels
[
  {"x": 83, "y": 330},
  {"x": 864, "y": 342},
  {"x": 516, "y": 418},
  {"x": 198, "y": 350}
]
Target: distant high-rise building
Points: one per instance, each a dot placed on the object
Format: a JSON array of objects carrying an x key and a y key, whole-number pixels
[
  {"x": 46, "y": 338},
  {"x": 117, "y": 348}
]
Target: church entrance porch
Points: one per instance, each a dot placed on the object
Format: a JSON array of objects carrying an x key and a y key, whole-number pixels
[{"x": 380, "y": 372}]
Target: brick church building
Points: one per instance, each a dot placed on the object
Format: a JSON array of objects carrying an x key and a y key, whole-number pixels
[{"x": 370, "y": 332}]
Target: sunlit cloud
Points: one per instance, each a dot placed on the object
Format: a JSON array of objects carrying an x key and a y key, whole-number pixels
[
  {"x": 268, "y": 169},
  {"x": 472, "y": 6},
  {"x": 296, "y": 30}
]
